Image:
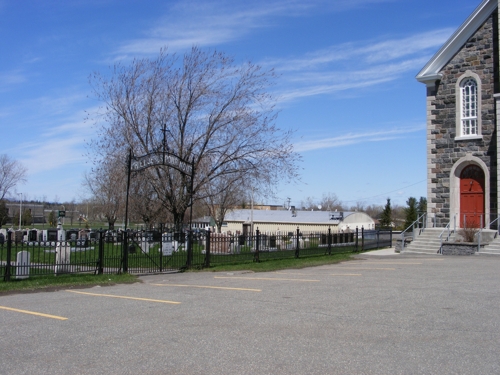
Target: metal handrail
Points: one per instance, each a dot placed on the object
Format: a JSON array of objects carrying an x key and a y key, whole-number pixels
[
  {"x": 498, "y": 225},
  {"x": 480, "y": 232},
  {"x": 413, "y": 227},
  {"x": 447, "y": 227}
]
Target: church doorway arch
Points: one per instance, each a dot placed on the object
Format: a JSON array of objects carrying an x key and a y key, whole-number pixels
[{"x": 472, "y": 190}]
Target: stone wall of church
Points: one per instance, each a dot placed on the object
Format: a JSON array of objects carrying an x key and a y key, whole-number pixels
[{"x": 478, "y": 55}]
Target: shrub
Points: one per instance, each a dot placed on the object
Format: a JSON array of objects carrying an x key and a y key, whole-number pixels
[{"x": 468, "y": 233}]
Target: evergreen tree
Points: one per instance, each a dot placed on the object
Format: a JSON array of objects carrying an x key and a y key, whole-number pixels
[
  {"x": 422, "y": 206},
  {"x": 52, "y": 219},
  {"x": 386, "y": 218},
  {"x": 411, "y": 214},
  {"x": 27, "y": 218},
  {"x": 4, "y": 213}
]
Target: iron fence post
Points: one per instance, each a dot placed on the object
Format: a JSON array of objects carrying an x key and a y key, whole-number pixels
[
  {"x": 207, "y": 250},
  {"x": 6, "y": 276},
  {"x": 189, "y": 250},
  {"x": 329, "y": 241},
  {"x": 125, "y": 252},
  {"x": 257, "y": 244},
  {"x": 161, "y": 247},
  {"x": 100, "y": 261},
  {"x": 362, "y": 238},
  {"x": 357, "y": 234},
  {"x": 297, "y": 246}
]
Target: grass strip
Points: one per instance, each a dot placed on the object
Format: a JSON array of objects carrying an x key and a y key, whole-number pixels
[
  {"x": 281, "y": 264},
  {"x": 49, "y": 283}
]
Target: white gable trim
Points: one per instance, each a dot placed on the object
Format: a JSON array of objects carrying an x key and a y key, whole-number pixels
[{"x": 430, "y": 73}]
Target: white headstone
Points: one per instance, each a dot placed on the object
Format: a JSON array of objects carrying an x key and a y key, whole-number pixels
[
  {"x": 23, "y": 265},
  {"x": 167, "y": 247},
  {"x": 63, "y": 251}
]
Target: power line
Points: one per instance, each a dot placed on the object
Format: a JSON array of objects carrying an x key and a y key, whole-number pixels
[{"x": 389, "y": 192}]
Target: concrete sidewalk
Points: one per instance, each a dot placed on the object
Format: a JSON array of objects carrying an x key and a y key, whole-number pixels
[{"x": 383, "y": 252}]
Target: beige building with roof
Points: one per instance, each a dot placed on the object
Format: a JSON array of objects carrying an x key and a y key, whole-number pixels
[{"x": 267, "y": 221}]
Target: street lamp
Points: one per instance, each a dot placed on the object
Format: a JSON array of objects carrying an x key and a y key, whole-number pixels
[{"x": 20, "y": 208}]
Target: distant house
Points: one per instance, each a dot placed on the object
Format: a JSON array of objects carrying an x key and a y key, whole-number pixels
[
  {"x": 463, "y": 122},
  {"x": 288, "y": 221}
]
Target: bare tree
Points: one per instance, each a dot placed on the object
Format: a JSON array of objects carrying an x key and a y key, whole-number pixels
[
  {"x": 213, "y": 113},
  {"x": 144, "y": 204},
  {"x": 309, "y": 203},
  {"x": 222, "y": 195},
  {"x": 12, "y": 173},
  {"x": 330, "y": 202},
  {"x": 374, "y": 211},
  {"x": 107, "y": 185}
]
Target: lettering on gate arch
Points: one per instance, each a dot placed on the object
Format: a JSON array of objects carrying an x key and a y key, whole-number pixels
[{"x": 139, "y": 163}]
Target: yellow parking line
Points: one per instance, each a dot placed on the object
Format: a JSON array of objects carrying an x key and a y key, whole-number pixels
[
  {"x": 346, "y": 274},
  {"x": 368, "y": 268},
  {"x": 210, "y": 287},
  {"x": 316, "y": 274},
  {"x": 264, "y": 278},
  {"x": 124, "y": 297},
  {"x": 437, "y": 260},
  {"x": 33, "y": 313},
  {"x": 390, "y": 263}
]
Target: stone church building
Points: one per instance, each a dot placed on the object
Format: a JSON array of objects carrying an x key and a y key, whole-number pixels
[{"x": 463, "y": 123}]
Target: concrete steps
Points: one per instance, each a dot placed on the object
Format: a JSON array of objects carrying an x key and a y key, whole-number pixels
[
  {"x": 427, "y": 241},
  {"x": 493, "y": 247}
]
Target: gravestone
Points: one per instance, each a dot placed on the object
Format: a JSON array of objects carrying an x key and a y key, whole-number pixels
[
  {"x": 63, "y": 251},
  {"x": 93, "y": 236},
  {"x": 18, "y": 236},
  {"x": 272, "y": 241},
  {"x": 71, "y": 235},
  {"x": 83, "y": 234},
  {"x": 23, "y": 265},
  {"x": 32, "y": 235},
  {"x": 167, "y": 246},
  {"x": 82, "y": 243},
  {"x": 51, "y": 235},
  {"x": 219, "y": 243}
]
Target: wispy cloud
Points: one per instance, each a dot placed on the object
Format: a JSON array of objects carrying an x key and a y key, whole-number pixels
[
  {"x": 333, "y": 69},
  {"x": 60, "y": 141},
  {"x": 355, "y": 138},
  {"x": 208, "y": 24},
  {"x": 364, "y": 52},
  {"x": 354, "y": 65},
  {"x": 11, "y": 78},
  {"x": 61, "y": 146}
]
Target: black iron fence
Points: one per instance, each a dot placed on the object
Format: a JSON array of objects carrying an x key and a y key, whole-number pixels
[{"x": 25, "y": 255}]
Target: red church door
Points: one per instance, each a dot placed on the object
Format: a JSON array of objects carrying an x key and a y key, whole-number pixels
[{"x": 472, "y": 197}]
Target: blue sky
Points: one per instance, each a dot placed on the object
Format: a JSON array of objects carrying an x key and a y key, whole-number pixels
[{"x": 346, "y": 86}]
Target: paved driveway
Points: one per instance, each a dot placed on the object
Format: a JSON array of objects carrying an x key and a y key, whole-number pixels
[{"x": 377, "y": 315}]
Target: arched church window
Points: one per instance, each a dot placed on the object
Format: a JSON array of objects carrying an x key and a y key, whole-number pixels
[{"x": 469, "y": 107}]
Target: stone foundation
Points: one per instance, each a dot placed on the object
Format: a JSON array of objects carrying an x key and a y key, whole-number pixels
[{"x": 459, "y": 248}]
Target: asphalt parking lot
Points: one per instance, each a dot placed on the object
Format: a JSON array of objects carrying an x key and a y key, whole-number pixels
[{"x": 395, "y": 314}]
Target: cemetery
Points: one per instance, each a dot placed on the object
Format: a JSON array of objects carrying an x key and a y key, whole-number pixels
[{"x": 34, "y": 252}]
